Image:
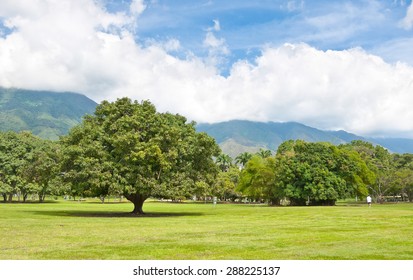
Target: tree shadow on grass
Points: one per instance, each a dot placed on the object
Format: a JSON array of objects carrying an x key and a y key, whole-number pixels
[{"x": 102, "y": 214}]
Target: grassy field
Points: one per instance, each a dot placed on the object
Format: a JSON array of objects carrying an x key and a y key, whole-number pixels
[{"x": 90, "y": 230}]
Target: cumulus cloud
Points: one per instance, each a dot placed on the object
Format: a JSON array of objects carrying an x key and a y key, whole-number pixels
[{"x": 79, "y": 46}]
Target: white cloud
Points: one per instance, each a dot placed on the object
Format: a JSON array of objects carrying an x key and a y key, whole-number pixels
[
  {"x": 217, "y": 25},
  {"x": 137, "y": 7},
  {"x": 217, "y": 47},
  {"x": 407, "y": 22},
  {"x": 79, "y": 46},
  {"x": 295, "y": 5}
]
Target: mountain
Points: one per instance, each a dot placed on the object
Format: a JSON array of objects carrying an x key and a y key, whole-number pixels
[
  {"x": 44, "y": 113},
  {"x": 396, "y": 145},
  {"x": 235, "y": 137},
  {"x": 52, "y": 114}
]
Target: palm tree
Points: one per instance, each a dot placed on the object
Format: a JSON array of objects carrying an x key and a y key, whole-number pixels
[
  {"x": 264, "y": 153},
  {"x": 224, "y": 162},
  {"x": 243, "y": 158}
]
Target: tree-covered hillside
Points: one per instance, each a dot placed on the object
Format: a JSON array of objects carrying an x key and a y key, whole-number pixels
[{"x": 44, "y": 113}]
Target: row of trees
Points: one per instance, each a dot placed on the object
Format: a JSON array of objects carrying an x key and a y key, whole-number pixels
[
  {"x": 129, "y": 149},
  {"x": 302, "y": 173}
]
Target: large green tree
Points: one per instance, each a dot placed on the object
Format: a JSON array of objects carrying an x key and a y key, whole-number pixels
[
  {"x": 27, "y": 165},
  {"x": 129, "y": 148},
  {"x": 381, "y": 162},
  {"x": 403, "y": 177},
  {"x": 320, "y": 173}
]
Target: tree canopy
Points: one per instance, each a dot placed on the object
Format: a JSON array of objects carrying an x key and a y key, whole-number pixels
[
  {"x": 28, "y": 164},
  {"x": 306, "y": 173},
  {"x": 129, "y": 148}
]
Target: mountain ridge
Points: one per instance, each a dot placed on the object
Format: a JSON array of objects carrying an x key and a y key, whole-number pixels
[
  {"x": 46, "y": 114},
  {"x": 50, "y": 114},
  {"x": 238, "y": 136}
]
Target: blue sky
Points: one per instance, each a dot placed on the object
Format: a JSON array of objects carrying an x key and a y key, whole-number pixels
[
  {"x": 248, "y": 26},
  {"x": 328, "y": 64}
]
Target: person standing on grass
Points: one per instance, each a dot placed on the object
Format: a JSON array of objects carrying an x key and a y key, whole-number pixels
[{"x": 369, "y": 200}]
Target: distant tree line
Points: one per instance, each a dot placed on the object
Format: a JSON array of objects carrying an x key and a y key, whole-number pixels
[
  {"x": 129, "y": 149},
  {"x": 302, "y": 173}
]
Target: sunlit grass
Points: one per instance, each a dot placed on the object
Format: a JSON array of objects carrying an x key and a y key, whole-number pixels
[{"x": 91, "y": 230}]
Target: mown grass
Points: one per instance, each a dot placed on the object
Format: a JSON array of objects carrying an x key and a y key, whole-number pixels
[{"x": 90, "y": 230}]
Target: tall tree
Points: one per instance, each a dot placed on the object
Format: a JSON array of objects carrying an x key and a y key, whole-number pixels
[
  {"x": 128, "y": 147},
  {"x": 243, "y": 158},
  {"x": 380, "y": 161},
  {"x": 404, "y": 175},
  {"x": 264, "y": 153},
  {"x": 224, "y": 162}
]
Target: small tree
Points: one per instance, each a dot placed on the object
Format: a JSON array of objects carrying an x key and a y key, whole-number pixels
[
  {"x": 258, "y": 178},
  {"x": 42, "y": 170},
  {"x": 226, "y": 183}
]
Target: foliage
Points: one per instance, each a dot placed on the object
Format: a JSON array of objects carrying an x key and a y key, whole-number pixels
[
  {"x": 264, "y": 153},
  {"x": 224, "y": 162},
  {"x": 243, "y": 158},
  {"x": 403, "y": 177},
  {"x": 258, "y": 178},
  {"x": 127, "y": 147},
  {"x": 306, "y": 173},
  {"x": 320, "y": 173},
  {"x": 380, "y": 161},
  {"x": 42, "y": 170},
  {"x": 27, "y": 165},
  {"x": 225, "y": 186}
]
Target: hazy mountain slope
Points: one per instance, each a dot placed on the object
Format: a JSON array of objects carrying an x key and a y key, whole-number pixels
[
  {"x": 236, "y": 136},
  {"x": 46, "y": 114},
  {"x": 396, "y": 145}
]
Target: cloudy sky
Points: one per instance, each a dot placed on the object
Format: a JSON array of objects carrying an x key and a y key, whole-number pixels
[{"x": 328, "y": 64}]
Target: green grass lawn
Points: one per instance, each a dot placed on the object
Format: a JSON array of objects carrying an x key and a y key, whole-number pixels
[{"x": 90, "y": 230}]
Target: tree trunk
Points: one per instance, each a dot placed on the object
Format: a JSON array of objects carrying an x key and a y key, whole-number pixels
[
  {"x": 275, "y": 201},
  {"x": 137, "y": 200},
  {"x": 10, "y": 197}
]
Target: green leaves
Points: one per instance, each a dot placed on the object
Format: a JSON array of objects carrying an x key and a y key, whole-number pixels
[
  {"x": 127, "y": 147},
  {"x": 302, "y": 173},
  {"x": 27, "y": 164}
]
